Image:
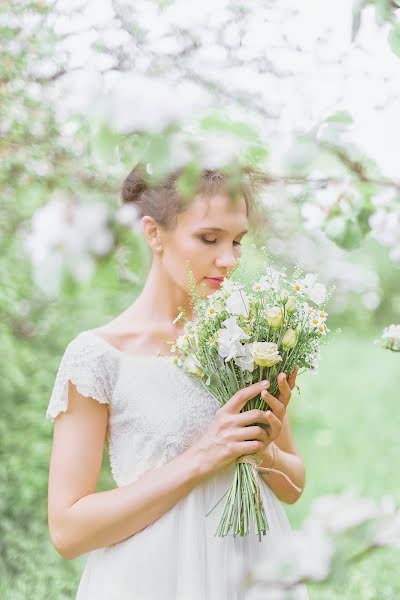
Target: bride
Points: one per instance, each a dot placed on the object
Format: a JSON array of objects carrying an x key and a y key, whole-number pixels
[{"x": 172, "y": 448}]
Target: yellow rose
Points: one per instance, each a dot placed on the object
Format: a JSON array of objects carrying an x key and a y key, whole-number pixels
[
  {"x": 275, "y": 317},
  {"x": 265, "y": 354}
]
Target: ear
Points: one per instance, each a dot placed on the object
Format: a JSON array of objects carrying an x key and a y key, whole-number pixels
[{"x": 152, "y": 233}]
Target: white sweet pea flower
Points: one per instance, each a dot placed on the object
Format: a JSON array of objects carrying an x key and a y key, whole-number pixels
[
  {"x": 238, "y": 303},
  {"x": 246, "y": 361},
  {"x": 317, "y": 293},
  {"x": 229, "y": 348},
  {"x": 309, "y": 280},
  {"x": 234, "y": 330},
  {"x": 229, "y": 337}
]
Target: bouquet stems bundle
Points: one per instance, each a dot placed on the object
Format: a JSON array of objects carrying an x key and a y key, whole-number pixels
[{"x": 241, "y": 336}]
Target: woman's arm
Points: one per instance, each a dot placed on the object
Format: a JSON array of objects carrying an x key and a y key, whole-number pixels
[
  {"x": 287, "y": 460},
  {"x": 81, "y": 520}
]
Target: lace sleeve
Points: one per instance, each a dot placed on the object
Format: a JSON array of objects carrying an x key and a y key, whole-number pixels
[{"x": 92, "y": 370}]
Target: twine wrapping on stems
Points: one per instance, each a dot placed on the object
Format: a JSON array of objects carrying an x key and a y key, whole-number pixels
[{"x": 255, "y": 462}]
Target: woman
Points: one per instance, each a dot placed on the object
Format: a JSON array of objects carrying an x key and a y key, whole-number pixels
[{"x": 172, "y": 448}]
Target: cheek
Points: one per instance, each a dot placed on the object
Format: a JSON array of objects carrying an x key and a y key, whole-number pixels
[{"x": 187, "y": 248}]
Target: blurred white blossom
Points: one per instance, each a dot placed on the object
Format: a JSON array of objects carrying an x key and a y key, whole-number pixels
[
  {"x": 390, "y": 338},
  {"x": 67, "y": 235},
  {"x": 385, "y": 222}
]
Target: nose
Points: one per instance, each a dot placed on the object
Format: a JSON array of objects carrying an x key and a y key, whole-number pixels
[{"x": 227, "y": 261}]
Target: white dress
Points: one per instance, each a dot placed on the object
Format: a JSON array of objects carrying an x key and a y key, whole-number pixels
[{"x": 156, "y": 411}]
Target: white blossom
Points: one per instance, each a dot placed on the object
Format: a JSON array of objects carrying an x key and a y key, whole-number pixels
[{"x": 238, "y": 303}]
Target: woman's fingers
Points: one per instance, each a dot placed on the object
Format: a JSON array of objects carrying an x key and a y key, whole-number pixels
[
  {"x": 252, "y": 432},
  {"x": 292, "y": 378},
  {"x": 276, "y": 425},
  {"x": 284, "y": 389},
  {"x": 277, "y": 406}
]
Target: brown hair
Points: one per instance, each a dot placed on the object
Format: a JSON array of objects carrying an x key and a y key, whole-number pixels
[{"x": 162, "y": 201}]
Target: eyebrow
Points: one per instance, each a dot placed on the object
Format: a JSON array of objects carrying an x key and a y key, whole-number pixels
[{"x": 219, "y": 229}]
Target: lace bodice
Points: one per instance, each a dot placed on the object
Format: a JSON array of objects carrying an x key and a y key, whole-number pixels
[{"x": 156, "y": 410}]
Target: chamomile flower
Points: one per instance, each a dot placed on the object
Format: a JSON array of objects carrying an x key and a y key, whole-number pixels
[
  {"x": 322, "y": 315},
  {"x": 212, "y": 311},
  {"x": 322, "y": 329},
  {"x": 212, "y": 341},
  {"x": 176, "y": 361},
  {"x": 298, "y": 287},
  {"x": 259, "y": 286}
]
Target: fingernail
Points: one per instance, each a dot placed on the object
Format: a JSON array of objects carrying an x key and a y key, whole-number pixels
[{"x": 265, "y": 383}]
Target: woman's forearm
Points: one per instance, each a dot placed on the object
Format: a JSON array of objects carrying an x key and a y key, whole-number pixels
[
  {"x": 105, "y": 518},
  {"x": 290, "y": 464}
]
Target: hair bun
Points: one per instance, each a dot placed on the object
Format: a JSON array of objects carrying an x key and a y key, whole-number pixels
[{"x": 134, "y": 184}]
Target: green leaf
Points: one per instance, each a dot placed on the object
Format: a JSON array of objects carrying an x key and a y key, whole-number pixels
[
  {"x": 344, "y": 232},
  {"x": 383, "y": 12},
  {"x": 394, "y": 39},
  {"x": 222, "y": 123},
  {"x": 256, "y": 154},
  {"x": 356, "y": 20},
  {"x": 342, "y": 116},
  {"x": 187, "y": 182}
]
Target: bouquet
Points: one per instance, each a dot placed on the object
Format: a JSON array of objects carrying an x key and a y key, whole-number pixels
[{"x": 241, "y": 336}]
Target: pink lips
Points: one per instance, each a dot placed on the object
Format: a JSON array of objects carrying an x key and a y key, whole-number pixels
[{"x": 215, "y": 281}]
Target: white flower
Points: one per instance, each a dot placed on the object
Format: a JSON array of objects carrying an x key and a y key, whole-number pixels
[
  {"x": 260, "y": 286},
  {"x": 317, "y": 293},
  {"x": 312, "y": 359},
  {"x": 297, "y": 555},
  {"x": 298, "y": 287},
  {"x": 246, "y": 361},
  {"x": 191, "y": 366},
  {"x": 309, "y": 280},
  {"x": 271, "y": 278},
  {"x": 391, "y": 337},
  {"x": 182, "y": 341},
  {"x": 228, "y": 339},
  {"x": 66, "y": 234},
  {"x": 337, "y": 513},
  {"x": 229, "y": 285},
  {"x": 238, "y": 303},
  {"x": 229, "y": 348},
  {"x": 175, "y": 360},
  {"x": 387, "y": 526},
  {"x": 265, "y": 354},
  {"x": 212, "y": 311}
]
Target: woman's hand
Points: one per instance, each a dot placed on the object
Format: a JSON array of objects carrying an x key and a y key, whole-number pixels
[
  {"x": 233, "y": 433},
  {"x": 276, "y": 414},
  {"x": 228, "y": 435}
]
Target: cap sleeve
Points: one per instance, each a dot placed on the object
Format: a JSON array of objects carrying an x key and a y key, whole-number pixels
[{"x": 90, "y": 367}]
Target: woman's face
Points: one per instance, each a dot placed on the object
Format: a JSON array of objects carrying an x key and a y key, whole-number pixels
[{"x": 206, "y": 239}]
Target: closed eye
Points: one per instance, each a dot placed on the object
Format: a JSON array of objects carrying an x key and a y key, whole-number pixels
[{"x": 213, "y": 242}]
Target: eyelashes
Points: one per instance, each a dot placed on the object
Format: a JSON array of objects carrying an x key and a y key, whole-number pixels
[{"x": 213, "y": 242}]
